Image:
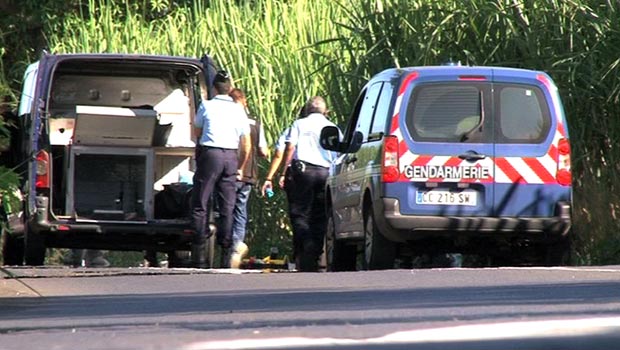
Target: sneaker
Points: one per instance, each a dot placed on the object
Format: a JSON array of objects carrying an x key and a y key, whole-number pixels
[{"x": 240, "y": 251}]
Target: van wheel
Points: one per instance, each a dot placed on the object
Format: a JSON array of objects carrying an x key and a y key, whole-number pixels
[
  {"x": 34, "y": 247},
  {"x": 12, "y": 248},
  {"x": 379, "y": 252},
  {"x": 339, "y": 256},
  {"x": 179, "y": 258}
]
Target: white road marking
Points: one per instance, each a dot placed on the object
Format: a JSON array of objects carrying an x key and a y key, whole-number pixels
[{"x": 497, "y": 331}]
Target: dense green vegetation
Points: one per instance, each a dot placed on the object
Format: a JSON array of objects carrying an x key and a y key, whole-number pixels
[{"x": 283, "y": 51}]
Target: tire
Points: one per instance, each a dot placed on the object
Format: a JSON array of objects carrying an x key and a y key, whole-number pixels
[
  {"x": 339, "y": 256},
  {"x": 379, "y": 252},
  {"x": 34, "y": 247},
  {"x": 12, "y": 236},
  {"x": 12, "y": 248},
  {"x": 179, "y": 258},
  {"x": 558, "y": 253}
]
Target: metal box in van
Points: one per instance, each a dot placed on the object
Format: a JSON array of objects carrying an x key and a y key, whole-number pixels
[{"x": 451, "y": 159}]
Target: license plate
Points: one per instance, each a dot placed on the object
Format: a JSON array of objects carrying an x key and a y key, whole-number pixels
[{"x": 444, "y": 197}]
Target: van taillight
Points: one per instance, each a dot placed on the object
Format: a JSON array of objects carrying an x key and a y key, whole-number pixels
[
  {"x": 389, "y": 170},
  {"x": 564, "y": 175},
  {"x": 43, "y": 170},
  {"x": 472, "y": 78}
]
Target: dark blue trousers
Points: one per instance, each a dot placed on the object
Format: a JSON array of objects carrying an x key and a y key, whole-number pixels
[
  {"x": 216, "y": 175},
  {"x": 306, "y": 196}
]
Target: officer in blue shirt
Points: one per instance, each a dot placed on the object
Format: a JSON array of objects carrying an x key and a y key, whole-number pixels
[
  {"x": 277, "y": 159},
  {"x": 280, "y": 148},
  {"x": 221, "y": 128},
  {"x": 309, "y": 164}
]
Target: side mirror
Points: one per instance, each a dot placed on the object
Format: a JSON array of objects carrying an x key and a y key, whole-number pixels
[{"x": 330, "y": 139}]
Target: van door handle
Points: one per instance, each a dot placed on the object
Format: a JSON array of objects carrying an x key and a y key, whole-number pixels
[
  {"x": 472, "y": 155},
  {"x": 351, "y": 160}
]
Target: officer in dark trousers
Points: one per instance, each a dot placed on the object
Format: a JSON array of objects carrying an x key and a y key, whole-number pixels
[
  {"x": 305, "y": 183},
  {"x": 221, "y": 128}
]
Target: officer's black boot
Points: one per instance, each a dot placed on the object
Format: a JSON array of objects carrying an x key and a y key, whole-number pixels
[
  {"x": 309, "y": 257},
  {"x": 199, "y": 255},
  {"x": 226, "y": 257}
]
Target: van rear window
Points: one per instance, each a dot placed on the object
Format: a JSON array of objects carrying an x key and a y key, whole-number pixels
[
  {"x": 478, "y": 113},
  {"x": 523, "y": 114},
  {"x": 446, "y": 112}
]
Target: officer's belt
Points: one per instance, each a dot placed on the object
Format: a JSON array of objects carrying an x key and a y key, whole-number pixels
[
  {"x": 218, "y": 148},
  {"x": 310, "y": 164}
]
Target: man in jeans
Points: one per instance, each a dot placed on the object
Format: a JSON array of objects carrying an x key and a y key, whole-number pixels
[{"x": 245, "y": 184}]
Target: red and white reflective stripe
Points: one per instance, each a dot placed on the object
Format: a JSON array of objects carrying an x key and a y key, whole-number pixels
[
  {"x": 394, "y": 127},
  {"x": 524, "y": 170}
]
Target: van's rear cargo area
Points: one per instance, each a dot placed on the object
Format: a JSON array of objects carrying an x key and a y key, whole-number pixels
[{"x": 111, "y": 133}]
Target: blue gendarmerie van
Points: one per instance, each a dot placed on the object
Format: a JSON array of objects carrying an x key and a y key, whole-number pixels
[{"x": 445, "y": 159}]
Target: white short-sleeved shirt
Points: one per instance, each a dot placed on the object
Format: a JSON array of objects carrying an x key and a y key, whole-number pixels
[
  {"x": 262, "y": 141},
  {"x": 281, "y": 143},
  {"x": 304, "y": 135},
  {"x": 223, "y": 122}
]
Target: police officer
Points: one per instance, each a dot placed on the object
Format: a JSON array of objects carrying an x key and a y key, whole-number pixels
[
  {"x": 308, "y": 163},
  {"x": 221, "y": 128},
  {"x": 280, "y": 148}
]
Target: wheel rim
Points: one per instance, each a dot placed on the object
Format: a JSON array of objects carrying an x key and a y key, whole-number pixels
[
  {"x": 368, "y": 236},
  {"x": 329, "y": 244}
]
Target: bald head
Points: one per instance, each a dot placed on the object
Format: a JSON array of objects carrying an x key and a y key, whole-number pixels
[{"x": 316, "y": 104}]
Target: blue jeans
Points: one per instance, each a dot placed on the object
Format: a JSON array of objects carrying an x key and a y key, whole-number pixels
[{"x": 240, "y": 213}]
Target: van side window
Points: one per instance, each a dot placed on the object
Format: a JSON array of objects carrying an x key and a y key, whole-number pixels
[
  {"x": 368, "y": 108},
  {"x": 382, "y": 110},
  {"x": 445, "y": 112},
  {"x": 352, "y": 121},
  {"x": 30, "y": 78},
  {"x": 523, "y": 115}
]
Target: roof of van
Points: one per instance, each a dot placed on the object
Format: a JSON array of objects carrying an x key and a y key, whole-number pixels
[
  {"x": 457, "y": 69},
  {"x": 120, "y": 57}
]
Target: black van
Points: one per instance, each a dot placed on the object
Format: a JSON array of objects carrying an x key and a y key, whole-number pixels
[
  {"x": 451, "y": 159},
  {"x": 103, "y": 135}
]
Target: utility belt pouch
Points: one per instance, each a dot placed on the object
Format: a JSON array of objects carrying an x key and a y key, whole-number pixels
[{"x": 299, "y": 166}]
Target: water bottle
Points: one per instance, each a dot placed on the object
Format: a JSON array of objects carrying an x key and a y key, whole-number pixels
[
  {"x": 269, "y": 192},
  {"x": 273, "y": 253}
]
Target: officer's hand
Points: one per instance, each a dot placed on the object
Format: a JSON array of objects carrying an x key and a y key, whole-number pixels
[
  {"x": 240, "y": 174},
  {"x": 267, "y": 184},
  {"x": 281, "y": 181}
]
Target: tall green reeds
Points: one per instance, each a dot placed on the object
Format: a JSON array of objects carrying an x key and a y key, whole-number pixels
[
  {"x": 282, "y": 52},
  {"x": 270, "y": 47}
]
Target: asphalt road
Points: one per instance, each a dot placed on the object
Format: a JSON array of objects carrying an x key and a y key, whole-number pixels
[{"x": 141, "y": 308}]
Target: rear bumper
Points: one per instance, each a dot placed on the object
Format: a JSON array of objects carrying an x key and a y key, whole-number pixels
[
  {"x": 157, "y": 235},
  {"x": 403, "y": 228},
  {"x": 147, "y": 236}
]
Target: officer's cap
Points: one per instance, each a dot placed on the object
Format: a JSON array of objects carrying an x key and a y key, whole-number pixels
[{"x": 222, "y": 76}]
